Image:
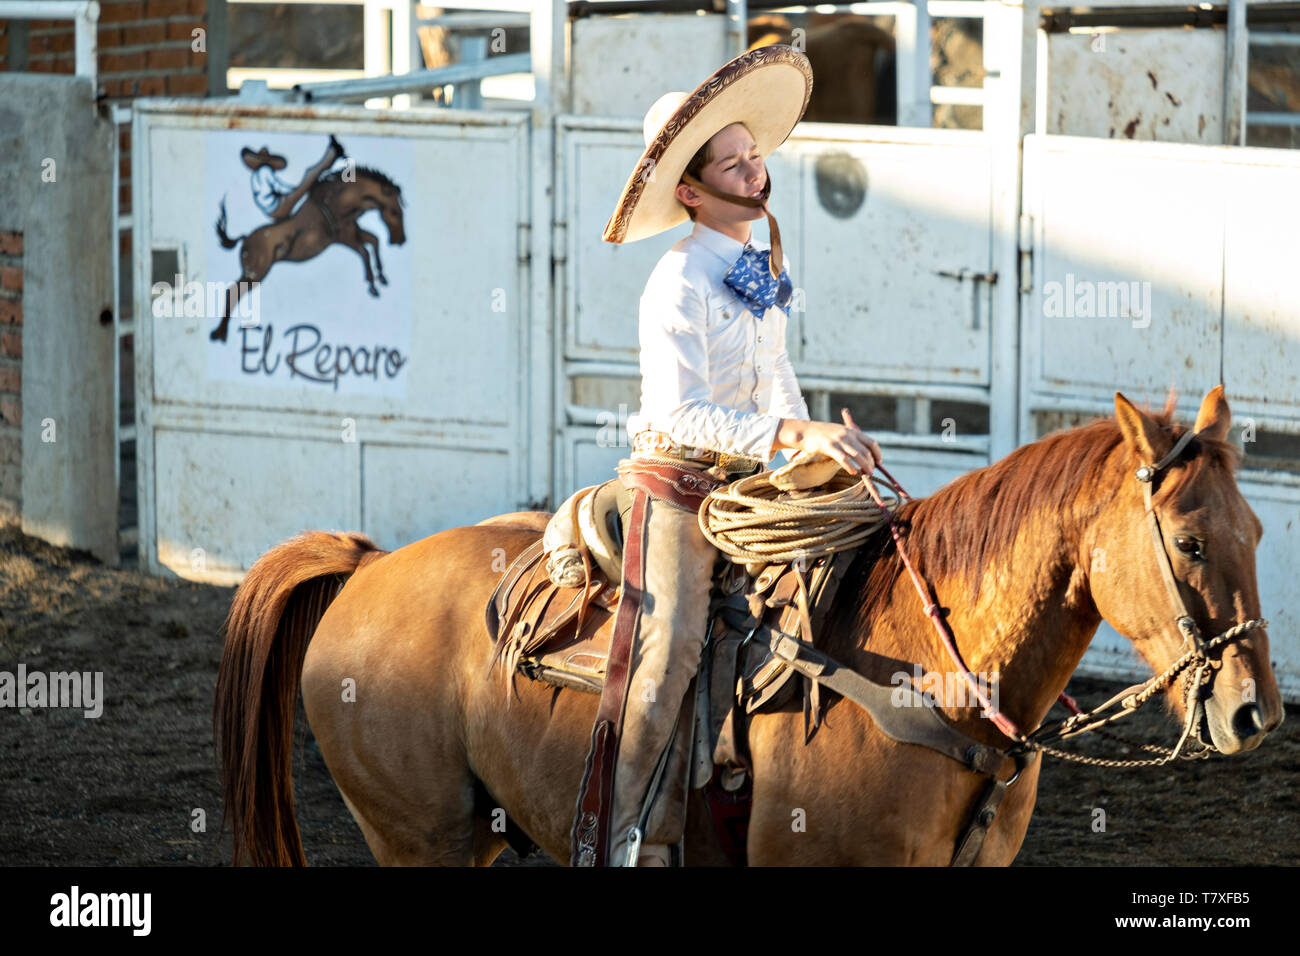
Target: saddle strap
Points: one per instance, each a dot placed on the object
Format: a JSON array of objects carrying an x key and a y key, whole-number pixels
[
  {"x": 912, "y": 723},
  {"x": 972, "y": 841},
  {"x": 590, "y": 836}
]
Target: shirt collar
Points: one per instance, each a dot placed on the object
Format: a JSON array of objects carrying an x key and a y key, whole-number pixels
[{"x": 723, "y": 246}]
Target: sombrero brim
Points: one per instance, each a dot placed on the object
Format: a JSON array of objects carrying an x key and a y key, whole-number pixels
[{"x": 767, "y": 89}]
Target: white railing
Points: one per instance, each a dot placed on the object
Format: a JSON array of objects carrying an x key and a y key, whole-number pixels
[{"x": 85, "y": 17}]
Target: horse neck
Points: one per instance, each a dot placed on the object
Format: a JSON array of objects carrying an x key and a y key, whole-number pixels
[{"x": 1017, "y": 598}]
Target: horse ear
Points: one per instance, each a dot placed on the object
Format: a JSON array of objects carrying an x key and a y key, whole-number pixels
[
  {"x": 1214, "y": 418},
  {"x": 1140, "y": 431}
]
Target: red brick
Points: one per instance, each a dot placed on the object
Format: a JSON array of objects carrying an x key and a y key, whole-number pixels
[
  {"x": 122, "y": 62},
  {"x": 11, "y": 312},
  {"x": 188, "y": 84},
  {"x": 62, "y": 42},
  {"x": 110, "y": 37},
  {"x": 120, "y": 11},
  {"x": 184, "y": 30},
  {"x": 124, "y": 199},
  {"x": 151, "y": 86},
  {"x": 199, "y": 8},
  {"x": 11, "y": 378},
  {"x": 38, "y": 44},
  {"x": 169, "y": 59},
  {"x": 141, "y": 33},
  {"x": 40, "y": 66},
  {"x": 11, "y": 278},
  {"x": 11, "y": 411},
  {"x": 11, "y": 344},
  {"x": 164, "y": 8},
  {"x": 11, "y": 243},
  {"x": 4, "y": 43}
]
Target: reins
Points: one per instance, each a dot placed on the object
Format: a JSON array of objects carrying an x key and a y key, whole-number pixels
[
  {"x": 1133, "y": 697},
  {"x": 751, "y": 526}
]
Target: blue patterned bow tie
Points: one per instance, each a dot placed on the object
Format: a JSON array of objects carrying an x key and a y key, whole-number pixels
[{"x": 751, "y": 279}]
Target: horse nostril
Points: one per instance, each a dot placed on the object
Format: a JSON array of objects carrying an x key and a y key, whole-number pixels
[{"x": 1248, "y": 721}]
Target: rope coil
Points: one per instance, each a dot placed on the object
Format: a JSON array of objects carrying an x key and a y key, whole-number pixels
[{"x": 752, "y": 521}]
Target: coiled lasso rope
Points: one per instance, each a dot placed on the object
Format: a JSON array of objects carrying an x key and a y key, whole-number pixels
[{"x": 751, "y": 521}]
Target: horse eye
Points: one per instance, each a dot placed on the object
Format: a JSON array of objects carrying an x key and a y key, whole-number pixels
[{"x": 1188, "y": 545}]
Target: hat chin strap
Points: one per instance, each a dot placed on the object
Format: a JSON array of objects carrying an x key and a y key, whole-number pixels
[{"x": 774, "y": 261}]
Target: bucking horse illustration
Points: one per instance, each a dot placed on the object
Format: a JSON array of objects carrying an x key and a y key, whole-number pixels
[{"x": 329, "y": 214}]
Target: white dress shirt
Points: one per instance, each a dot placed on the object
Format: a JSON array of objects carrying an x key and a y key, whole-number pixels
[{"x": 712, "y": 374}]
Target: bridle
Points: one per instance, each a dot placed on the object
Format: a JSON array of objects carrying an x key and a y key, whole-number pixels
[{"x": 1195, "y": 655}]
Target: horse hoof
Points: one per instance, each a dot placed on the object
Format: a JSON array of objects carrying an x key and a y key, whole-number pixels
[
  {"x": 374, "y": 293},
  {"x": 218, "y": 335},
  {"x": 383, "y": 280}
]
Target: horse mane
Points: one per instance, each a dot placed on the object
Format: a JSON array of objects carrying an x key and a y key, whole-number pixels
[
  {"x": 368, "y": 171},
  {"x": 958, "y": 531}
]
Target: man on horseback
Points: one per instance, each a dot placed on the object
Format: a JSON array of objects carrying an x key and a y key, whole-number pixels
[
  {"x": 272, "y": 194},
  {"x": 718, "y": 399}
]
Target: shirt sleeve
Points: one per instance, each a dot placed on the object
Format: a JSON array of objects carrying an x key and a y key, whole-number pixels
[{"x": 675, "y": 375}]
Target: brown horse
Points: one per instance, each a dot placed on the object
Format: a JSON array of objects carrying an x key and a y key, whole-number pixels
[
  {"x": 328, "y": 215},
  {"x": 428, "y": 754}
]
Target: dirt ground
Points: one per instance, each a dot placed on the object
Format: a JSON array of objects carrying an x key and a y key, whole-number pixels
[{"x": 124, "y": 788}]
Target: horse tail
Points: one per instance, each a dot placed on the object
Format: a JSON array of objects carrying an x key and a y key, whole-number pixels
[
  {"x": 271, "y": 620},
  {"x": 225, "y": 240}
]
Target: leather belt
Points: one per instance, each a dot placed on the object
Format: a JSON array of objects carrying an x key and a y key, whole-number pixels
[{"x": 661, "y": 443}]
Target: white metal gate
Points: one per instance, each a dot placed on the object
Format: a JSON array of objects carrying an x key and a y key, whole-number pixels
[
  {"x": 303, "y": 418},
  {"x": 1158, "y": 264}
]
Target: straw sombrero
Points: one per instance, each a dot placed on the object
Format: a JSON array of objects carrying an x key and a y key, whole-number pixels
[{"x": 767, "y": 89}]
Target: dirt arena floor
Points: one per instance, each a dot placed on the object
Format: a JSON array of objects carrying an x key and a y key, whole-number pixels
[{"x": 122, "y": 789}]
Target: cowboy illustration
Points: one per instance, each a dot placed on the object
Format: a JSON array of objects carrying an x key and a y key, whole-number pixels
[
  {"x": 719, "y": 398},
  {"x": 272, "y": 194}
]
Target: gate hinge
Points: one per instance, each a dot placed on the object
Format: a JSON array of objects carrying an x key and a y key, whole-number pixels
[
  {"x": 1026, "y": 253},
  {"x": 525, "y": 242},
  {"x": 559, "y": 242}
]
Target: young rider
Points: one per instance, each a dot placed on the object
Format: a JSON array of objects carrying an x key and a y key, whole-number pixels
[{"x": 718, "y": 399}]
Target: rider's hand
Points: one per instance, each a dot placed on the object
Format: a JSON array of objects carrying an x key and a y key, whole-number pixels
[{"x": 855, "y": 450}]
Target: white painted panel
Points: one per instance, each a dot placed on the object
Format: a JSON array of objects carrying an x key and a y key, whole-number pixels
[
  {"x": 221, "y": 500},
  {"x": 1149, "y": 84},
  {"x": 410, "y": 493},
  {"x": 300, "y": 444},
  {"x": 879, "y": 221},
  {"x": 1277, "y": 564},
  {"x": 605, "y": 279},
  {"x": 1261, "y": 347},
  {"x": 1127, "y": 279},
  {"x": 588, "y": 461},
  {"x": 621, "y": 65},
  {"x": 454, "y": 292}
]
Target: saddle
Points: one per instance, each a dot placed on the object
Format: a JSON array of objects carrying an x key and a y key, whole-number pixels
[{"x": 555, "y": 634}]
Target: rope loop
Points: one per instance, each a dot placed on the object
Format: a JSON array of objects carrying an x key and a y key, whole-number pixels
[{"x": 753, "y": 522}]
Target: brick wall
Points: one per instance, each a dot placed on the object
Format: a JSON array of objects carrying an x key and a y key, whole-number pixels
[
  {"x": 11, "y": 372},
  {"x": 145, "y": 47}
]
